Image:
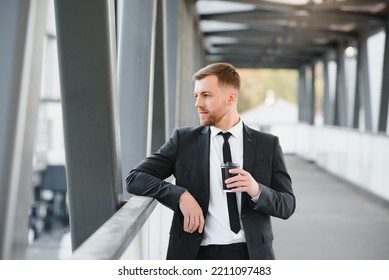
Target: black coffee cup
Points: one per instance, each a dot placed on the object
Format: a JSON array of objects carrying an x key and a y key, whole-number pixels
[{"x": 225, "y": 168}]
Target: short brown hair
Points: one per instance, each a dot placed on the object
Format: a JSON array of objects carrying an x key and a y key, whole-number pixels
[{"x": 225, "y": 72}]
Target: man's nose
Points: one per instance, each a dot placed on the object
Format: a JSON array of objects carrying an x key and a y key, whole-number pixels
[{"x": 197, "y": 103}]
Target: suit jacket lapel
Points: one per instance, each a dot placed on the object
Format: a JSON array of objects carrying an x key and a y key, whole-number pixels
[
  {"x": 248, "y": 149},
  {"x": 204, "y": 145},
  {"x": 248, "y": 155}
]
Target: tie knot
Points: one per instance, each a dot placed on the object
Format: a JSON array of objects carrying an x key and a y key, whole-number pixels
[{"x": 225, "y": 135}]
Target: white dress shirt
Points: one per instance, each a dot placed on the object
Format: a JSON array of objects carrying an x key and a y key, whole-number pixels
[{"x": 217, "y": 225}]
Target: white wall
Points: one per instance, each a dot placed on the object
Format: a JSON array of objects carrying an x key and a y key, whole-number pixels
[{"x": 358, "y": 157}]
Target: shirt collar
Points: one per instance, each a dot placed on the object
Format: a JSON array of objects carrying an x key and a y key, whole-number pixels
[{"x": 236, "y": 130}]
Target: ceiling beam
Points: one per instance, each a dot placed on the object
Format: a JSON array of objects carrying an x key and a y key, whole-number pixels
[{"x": 287, "y": 35}]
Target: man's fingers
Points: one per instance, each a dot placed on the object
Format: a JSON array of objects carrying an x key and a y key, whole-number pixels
[
  {"x": 186, "y": 223},
  {"x": 201, "y": 225},
  {"x": 192, "y": 224},
  {"x": 193, "y": 215}
]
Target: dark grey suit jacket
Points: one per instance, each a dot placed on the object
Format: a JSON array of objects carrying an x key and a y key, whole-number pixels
[{"x": 186, "y": 156}]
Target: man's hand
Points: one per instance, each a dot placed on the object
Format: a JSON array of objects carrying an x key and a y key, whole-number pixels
[
  {"x": 193, "y": 215},
  {"x": 243, "y": 182}
]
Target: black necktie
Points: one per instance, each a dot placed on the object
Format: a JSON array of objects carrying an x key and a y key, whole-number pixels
[{"x": 231, "y": 197}]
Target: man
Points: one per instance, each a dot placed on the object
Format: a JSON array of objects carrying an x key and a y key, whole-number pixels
[{"x": 201, "y": 226}]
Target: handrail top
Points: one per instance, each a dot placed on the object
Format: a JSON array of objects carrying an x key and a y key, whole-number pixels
[{"x": 114, "y": 236}]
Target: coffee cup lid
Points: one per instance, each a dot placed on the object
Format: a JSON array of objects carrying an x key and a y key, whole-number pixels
[{"x": 230, "y": 164}]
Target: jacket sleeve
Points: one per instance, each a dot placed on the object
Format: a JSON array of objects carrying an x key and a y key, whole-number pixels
[
  {"x": 148, "y": 178},
  {"x": 277, "y": 199}
]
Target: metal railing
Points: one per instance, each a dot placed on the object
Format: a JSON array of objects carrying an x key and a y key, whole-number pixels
[{"x": 111, "y": 240}]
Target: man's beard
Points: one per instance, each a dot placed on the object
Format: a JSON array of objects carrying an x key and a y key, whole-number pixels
[{"x": 212, "y": 119}]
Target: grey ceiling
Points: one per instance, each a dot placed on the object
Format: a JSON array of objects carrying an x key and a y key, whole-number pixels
[{"x": 282, "y": 34}]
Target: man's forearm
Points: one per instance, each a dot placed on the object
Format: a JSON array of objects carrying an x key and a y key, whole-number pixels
[{"x": 142, "y": 183}]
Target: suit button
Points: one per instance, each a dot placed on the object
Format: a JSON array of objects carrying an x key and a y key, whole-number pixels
[{"x": 198, "y": 238}]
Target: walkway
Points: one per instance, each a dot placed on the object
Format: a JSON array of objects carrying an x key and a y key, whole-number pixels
[{"x": 332, "y": 220}]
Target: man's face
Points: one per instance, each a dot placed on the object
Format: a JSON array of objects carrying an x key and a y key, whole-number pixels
[{"x": 211, "y": 101}]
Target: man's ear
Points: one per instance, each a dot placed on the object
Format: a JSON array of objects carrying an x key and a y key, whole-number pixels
[{"x": 232, "y": 97}]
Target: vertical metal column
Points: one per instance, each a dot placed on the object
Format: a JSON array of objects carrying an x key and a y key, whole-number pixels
[
  {"x": 362, "y": 97},
  {"x": 299, "y": 96},
  {"x": 302, "y": 94},
  {"x": 137, "y": 21},
  {"x": 312, "y": 99},
  {"x": 358, "y": 92},
  {"x": 307, "y": 94},
  {"x": 198, "y": 51},
  {"x": 86, "y": 48},
  {"x": 383, "y": 114},
  {"x": 172, "y": 16},
  {"x": 160, "y": 100},
  {"x": 22, "y": 29},
  {"x": 185, "y": 110},
  {"x": 327, "y": 99},
  {"x": 340, "y": 117}
]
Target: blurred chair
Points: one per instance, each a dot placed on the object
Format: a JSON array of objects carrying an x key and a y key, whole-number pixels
[
  {"x": 49, "y": 208},
  {"x": 54, "y": 179}
]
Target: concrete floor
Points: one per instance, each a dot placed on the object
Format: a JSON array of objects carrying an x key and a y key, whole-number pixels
[
  {"x": 333, "y": 220},
  {"x": 53, "y": 245}
]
